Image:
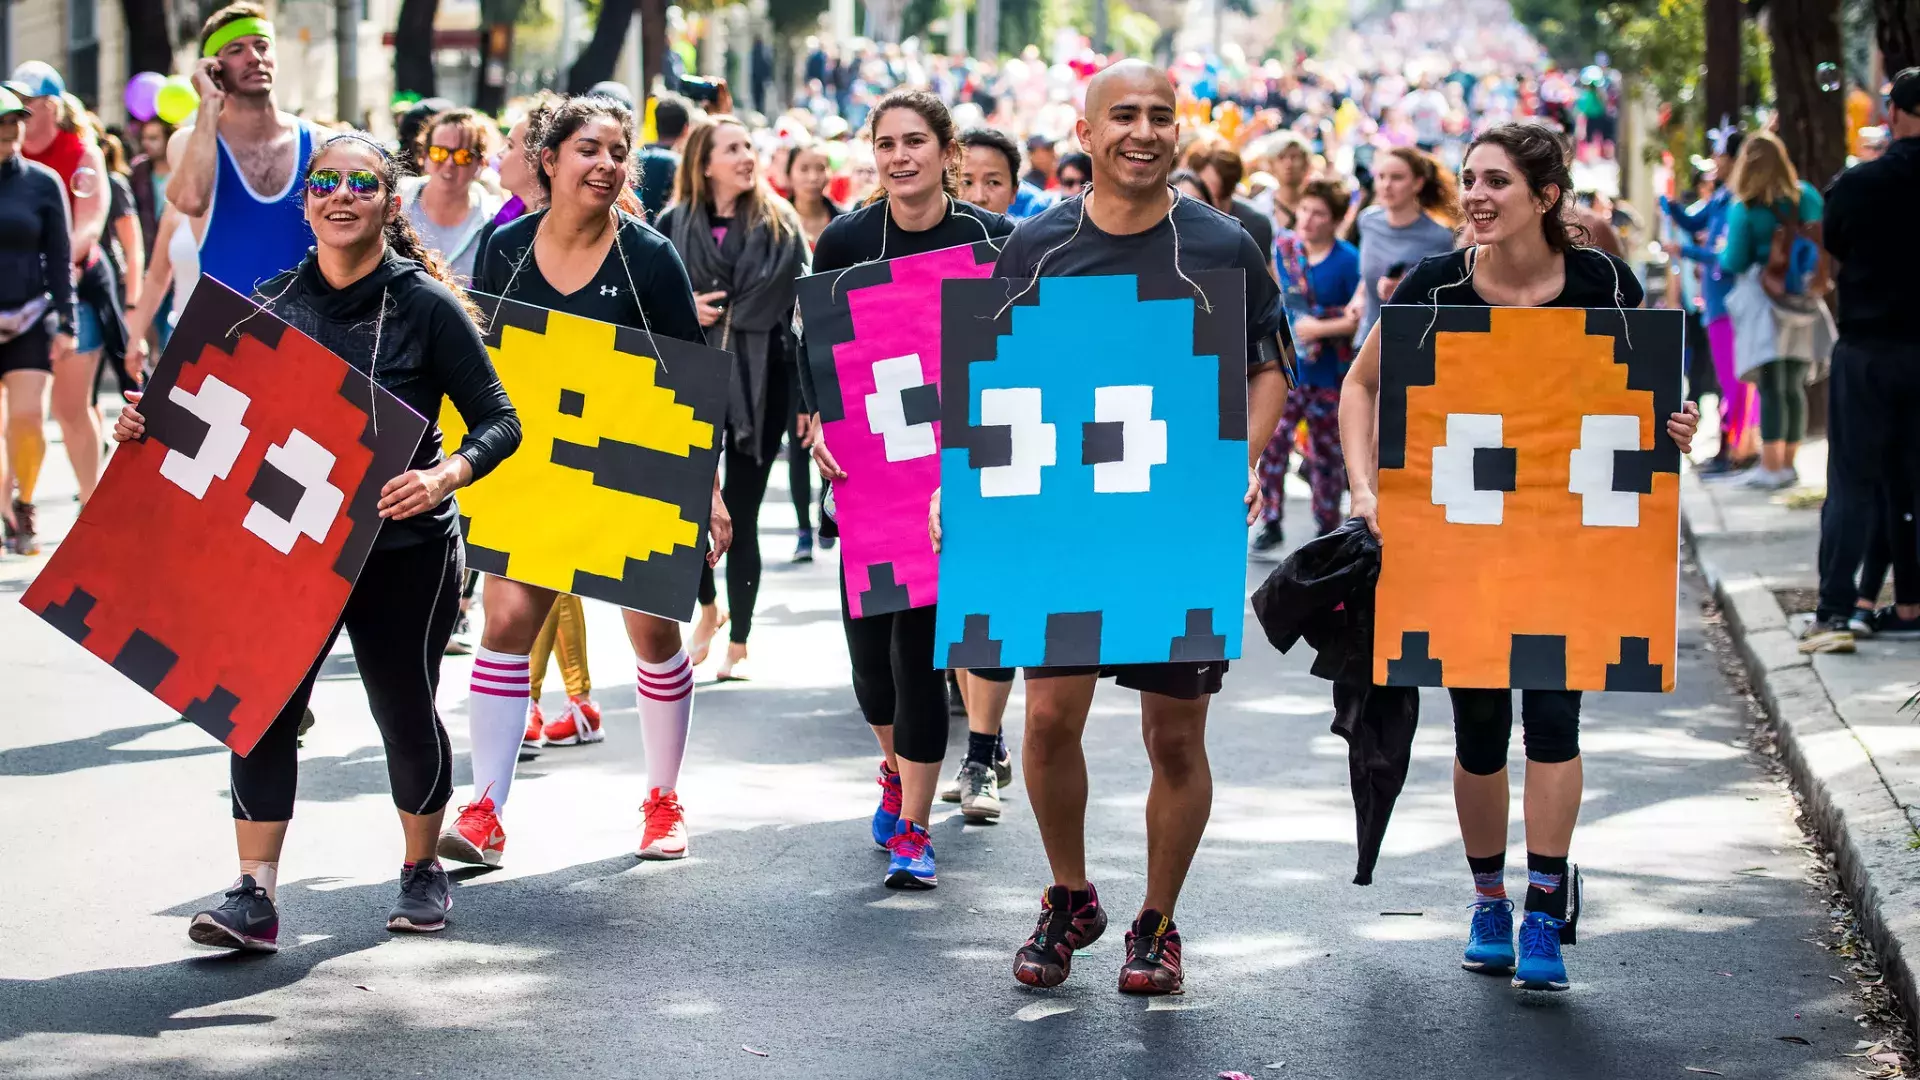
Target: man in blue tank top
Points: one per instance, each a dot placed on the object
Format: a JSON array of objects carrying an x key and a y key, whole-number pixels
[{"x": 242, "y": 163}]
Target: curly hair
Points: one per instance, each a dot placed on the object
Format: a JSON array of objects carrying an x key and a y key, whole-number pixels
[{"x": 1542, "y": 156}]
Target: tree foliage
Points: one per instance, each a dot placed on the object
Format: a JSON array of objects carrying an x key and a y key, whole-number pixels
[{"x": 1664, "y": 45}]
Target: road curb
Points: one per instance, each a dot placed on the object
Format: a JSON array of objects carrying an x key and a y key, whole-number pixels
[{"x": 1851, "y": 807}]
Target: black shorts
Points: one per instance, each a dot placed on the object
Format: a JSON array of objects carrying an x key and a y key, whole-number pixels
[
  {"x": 31, "y": 351},
  {"x": 1185, "y": 681}
]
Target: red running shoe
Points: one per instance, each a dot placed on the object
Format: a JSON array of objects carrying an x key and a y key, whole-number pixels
[
  {"x": 536, "y": 725},
  {"x": 1047, "y": 957},
  {"x": 476, "y": 837},
  {"x": 1153, "y": 956},
  {"x": 575, "y": 726},
  {"x": 665, "y": 835}
]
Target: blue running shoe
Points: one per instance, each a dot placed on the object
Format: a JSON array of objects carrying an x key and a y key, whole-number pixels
[
  {"x": 1540, "y": 966},
  {"x": 912, "y": 864},
  {"x": 1490, "y": 938},
  {"x": 887, "y": 815}
]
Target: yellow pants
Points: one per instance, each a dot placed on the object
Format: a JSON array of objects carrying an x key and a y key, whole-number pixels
[{"x": 565, "y": 632}]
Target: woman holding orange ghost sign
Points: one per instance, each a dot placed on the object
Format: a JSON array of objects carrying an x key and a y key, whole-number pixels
[{"x": 1513, "y": 183}]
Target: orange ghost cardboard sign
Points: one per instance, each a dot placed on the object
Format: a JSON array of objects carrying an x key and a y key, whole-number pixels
[{"x": 1529, "y": 498}]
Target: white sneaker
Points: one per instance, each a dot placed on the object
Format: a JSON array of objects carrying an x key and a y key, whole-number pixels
[{"x": 980, "y": 797}]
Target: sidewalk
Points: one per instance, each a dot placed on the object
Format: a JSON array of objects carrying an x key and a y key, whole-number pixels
[{"x": 1852, "y": 752}]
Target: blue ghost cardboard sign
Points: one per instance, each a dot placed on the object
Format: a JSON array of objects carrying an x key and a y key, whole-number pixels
[{"x": 1093, "y": 471}]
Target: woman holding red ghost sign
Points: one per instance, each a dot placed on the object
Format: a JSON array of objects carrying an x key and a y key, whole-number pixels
[{"x": 373, "y": 296}]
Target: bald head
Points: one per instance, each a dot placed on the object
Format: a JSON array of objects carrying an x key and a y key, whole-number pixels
[
  {"x": 1123, "y": 79},
  {"x": 1130, "y": 129}
]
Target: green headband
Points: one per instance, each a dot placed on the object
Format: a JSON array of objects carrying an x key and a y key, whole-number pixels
[{"x": 235, "y": 30}]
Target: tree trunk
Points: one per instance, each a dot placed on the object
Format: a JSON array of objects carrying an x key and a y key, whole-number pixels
[
  {"x": 149, "y": 45},
  {"x": 346, "y": 61},
  {"x": 1724, "y": 24},
  {"x": 1812, "y": 120},
  {"x": 602, "y": 54},
  {"x": 413, "y": 48},
  {"x": 986, "y": 29},
  {"x": 1898, "y": 33},
  {"x": 653, "y": 42}
]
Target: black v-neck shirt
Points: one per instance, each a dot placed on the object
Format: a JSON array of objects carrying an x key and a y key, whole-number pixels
[{"x": 665, "y": 295}]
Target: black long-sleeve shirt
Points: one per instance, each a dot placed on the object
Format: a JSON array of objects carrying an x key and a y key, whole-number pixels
[
  {"x": 429, "y": 350},
  {"x": 870, "y": 233},
  {"x": 665, "y": 296},
  {"x": 1871, "y": 228},
  {"x": 35, "y": 239}
]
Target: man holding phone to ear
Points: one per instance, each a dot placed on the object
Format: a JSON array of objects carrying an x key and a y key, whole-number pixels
[{"x": 239, "y": 162}]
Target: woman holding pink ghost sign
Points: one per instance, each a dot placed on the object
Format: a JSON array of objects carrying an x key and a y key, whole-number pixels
[{"x": 901, "y": 693}]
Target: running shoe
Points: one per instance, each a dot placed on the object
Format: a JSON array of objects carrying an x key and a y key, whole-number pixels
[
  {"x": 536, "y": 725},
  {"x": 951, "y": 791},
  {"x": 1862, "y": 622},
  {"x": 1540, "y": 966},
  {"x": 803, "y": 547},
  {"x": 426, "y": 895},
  {"x": 980, "y": 793},
  {"x": 245, "y": 920},
  {"x": 827, "y": 540},
  {"x": 887, "y": 814},
  {"x": 1266, "y": 543},
  {"x": 912, "y": 864},
  {"x": 1153, "y": 956},
  {"x": 1827, "y": 636},
  {"x": 1003, "y": 767},
  {"x": 1490, "y": 937},
  {"x": 1887, "y": 623},
  {"x": 475, "y": 837},
  {"x": 1047, "y": 957},
  {"x": 1764, "y": 479},
  {"x": 575, "y": 726},
  {"x": 26, "y": 537},
  {"x": 665, "y": 834}
]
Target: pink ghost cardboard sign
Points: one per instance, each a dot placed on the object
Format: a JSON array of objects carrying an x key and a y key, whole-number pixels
[{"x": 873, "y": 349}]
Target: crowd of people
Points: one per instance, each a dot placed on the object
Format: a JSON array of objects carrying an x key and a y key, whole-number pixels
[{"x": 1333, "y": 191}]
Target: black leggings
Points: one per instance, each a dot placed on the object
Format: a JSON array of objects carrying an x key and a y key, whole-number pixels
[
  {"x": 799, "y": 459},
  {"x": 1483, "y": 724},
  {"x": 399, "y": 617},
  {"x": 895, "y": 681},
  {"x": 742, "y": 490}
]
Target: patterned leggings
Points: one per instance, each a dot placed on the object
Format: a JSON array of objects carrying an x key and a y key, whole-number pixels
[{"x": 1319, "y": 406}]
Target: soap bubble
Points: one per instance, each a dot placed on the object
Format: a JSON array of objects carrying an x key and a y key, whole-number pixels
[
  {"x": 85, "y": 183},
  {"x": 1828, "y": 76}
]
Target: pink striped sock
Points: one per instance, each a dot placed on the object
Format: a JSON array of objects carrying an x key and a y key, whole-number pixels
[
  {"x": 666, "y": 712},
  {"x": 496, "y": 719}
]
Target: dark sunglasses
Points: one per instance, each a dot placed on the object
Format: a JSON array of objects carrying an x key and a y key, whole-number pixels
[
  {"x": 322, "y": 183},
  {"x": 1072, "y": 182},
  {"x": 460, "y": 156}
]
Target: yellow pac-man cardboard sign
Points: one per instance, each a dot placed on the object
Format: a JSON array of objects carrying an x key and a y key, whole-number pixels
[
  {"x": 611, "y": 490},
  {"x": 1529, "y": 498}
]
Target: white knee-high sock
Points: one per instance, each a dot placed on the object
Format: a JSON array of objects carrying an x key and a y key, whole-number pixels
[
  {"x": 497, "y": 718},
  {"x": 666, "y": 711}
]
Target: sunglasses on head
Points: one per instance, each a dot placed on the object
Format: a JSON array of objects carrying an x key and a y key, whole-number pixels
[
  {"x": 460, "y": 155},
  {"x": 324, "y": 182}
]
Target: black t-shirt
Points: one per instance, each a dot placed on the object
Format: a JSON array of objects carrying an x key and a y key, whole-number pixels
[
  {"x": 665, "y": 296},
  {"x": 869, "y": 233},
  {"x": 1208, "y": 240},
  {"x": 1595, "y": 279},
  {"x": 1258, "y": 225}
]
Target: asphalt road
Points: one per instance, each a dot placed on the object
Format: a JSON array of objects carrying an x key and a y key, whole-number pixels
[{"x": 776, "y": 935}]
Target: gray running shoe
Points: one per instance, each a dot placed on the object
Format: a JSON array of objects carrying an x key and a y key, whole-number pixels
[
  {"x": 951, "y": 791},
  {"x": 979, "y": 792},
  {"x": 1003, "y": 768},
  {"x": 426, "y": 895},
  {"x": 246, "y": 920}
]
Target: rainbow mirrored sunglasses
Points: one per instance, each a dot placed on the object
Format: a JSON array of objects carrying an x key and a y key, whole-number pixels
[
  {"x": 460, "y": 155},
  {"x": 364, "y": 183}
]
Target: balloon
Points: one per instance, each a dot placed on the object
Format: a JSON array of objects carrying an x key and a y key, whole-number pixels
[
  {"x": 141, "y": 90},
  {"x": 176, "y": 99}
]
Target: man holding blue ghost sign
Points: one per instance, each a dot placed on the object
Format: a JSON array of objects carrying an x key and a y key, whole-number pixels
[{"x": 1168, "y": 306}]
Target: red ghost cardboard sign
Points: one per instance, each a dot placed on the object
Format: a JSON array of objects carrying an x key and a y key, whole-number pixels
[{"x": 217, "y": 553}]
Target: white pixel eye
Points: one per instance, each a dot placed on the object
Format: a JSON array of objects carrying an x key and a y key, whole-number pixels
[
  {"x": 222, "y": 408},
  {"x": 1016, "y": 408},
  {"x": 291, "y": 494},
  {"x": 1124, "y": 442},
  {"x": 1473, "y": 471},
  {"x": 1591, "y": 471},
  {"x": 902, "y": 408}
]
